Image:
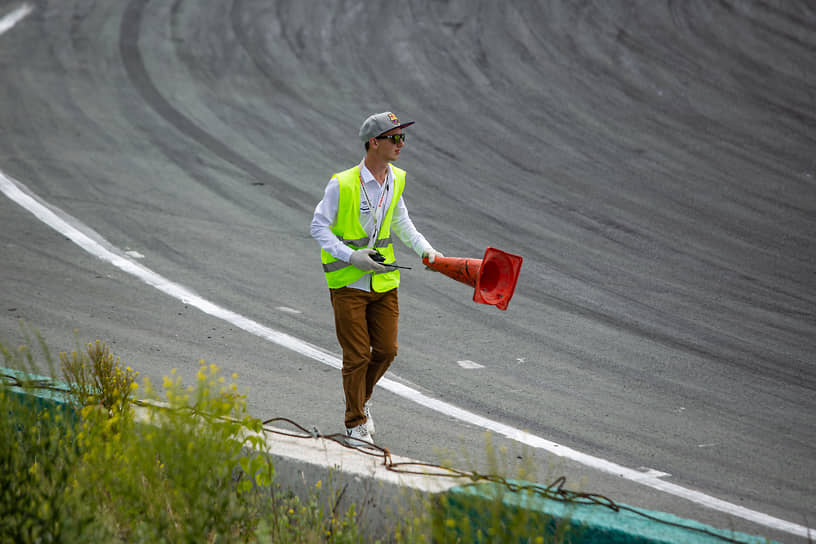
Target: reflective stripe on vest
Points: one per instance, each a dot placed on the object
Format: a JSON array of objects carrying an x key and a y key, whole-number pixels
[{"x": 348, "y": 229}]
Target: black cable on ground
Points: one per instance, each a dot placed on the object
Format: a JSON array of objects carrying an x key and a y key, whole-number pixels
[{"x": 554, "y": 491}]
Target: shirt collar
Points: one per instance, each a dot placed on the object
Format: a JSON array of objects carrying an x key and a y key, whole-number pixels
[{"x": 368, "y": 177}]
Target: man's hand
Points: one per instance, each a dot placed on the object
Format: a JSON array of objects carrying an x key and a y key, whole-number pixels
[
  {"x": 361, "y": 258},
  {"x": 432, "y": 254}
]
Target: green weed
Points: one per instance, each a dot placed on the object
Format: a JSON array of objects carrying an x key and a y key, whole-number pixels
[{"x": 188, "y": 464}]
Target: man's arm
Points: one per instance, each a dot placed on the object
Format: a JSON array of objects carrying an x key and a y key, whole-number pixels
[
  {"x": 404, "y": 228},
  {"x": 324, "y": 216}
]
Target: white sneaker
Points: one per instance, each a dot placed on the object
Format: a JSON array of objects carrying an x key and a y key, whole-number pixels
[
  {"x": 369, "y": 420},
  {"x": 359, "y": 433}
]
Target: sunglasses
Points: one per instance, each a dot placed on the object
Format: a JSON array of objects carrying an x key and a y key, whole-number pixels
[{"x": 395, "y": 138}]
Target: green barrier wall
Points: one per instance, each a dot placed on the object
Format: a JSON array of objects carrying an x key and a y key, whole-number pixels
[
  {"x": 40, "y": 393},
  {"x": 468, "y": 512}
]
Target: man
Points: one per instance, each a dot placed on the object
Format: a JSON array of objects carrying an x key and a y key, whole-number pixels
[{"x": 361, "y": 208}]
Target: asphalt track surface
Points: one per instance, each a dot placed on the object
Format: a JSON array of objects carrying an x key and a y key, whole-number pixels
[{"x": 653, "y": 162}]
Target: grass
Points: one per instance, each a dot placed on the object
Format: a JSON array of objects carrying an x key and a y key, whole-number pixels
[
  {"x": 191, "y": 473},
  {"x": 187, "y": 471}
]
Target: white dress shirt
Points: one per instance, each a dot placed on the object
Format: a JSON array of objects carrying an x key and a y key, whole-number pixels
[{"x": 325, "y": 215}]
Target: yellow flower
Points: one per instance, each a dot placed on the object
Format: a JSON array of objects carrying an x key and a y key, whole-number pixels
[{"x": 319, "y": 484}]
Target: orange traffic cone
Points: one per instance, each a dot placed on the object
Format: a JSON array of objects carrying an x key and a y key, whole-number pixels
[{"x": 494, "y": 276}]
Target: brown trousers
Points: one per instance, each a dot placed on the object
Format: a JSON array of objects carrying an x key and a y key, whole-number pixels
[{"x": 366, "y": 326}]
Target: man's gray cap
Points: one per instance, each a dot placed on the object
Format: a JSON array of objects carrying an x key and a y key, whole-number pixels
[{"x": 380, "y": 123}]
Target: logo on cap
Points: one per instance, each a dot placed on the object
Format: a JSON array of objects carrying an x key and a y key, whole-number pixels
[{"x": 393, "y": 118}]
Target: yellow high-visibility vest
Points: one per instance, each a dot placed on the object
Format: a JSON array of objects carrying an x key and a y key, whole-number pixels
[{"x": 347, "y": 227}]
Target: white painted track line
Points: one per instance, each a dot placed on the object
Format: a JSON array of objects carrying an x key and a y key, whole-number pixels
[{"x": 11, "y": 19}]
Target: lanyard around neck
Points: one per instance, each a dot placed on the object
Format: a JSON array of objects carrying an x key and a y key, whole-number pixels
[{"x": 376, "y": 213}]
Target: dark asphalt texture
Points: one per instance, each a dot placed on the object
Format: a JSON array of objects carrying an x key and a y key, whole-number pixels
[{"x": 653, "y": 162}]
